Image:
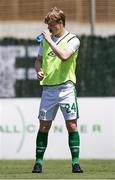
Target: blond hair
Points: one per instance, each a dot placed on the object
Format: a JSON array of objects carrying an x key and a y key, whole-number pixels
[{"x": 55, "y": 15}]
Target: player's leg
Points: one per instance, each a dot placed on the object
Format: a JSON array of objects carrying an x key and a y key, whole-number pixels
[
  {"x": 41, "y": 140},
  {"x": 41, "y": 144},
  {"x": 47, "y": 112},
  {"x": 69, "y": 108},
  {"x": 74, "y": 144}
]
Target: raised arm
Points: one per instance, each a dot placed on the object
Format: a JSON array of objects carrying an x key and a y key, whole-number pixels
[{"x": 62, "y": 54}]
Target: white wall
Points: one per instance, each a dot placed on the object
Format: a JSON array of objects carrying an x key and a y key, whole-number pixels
[
  {"x": 19, "y": 123},
  {"x": 24, "y": 29}
]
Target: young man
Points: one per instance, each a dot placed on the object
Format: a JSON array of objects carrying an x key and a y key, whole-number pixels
[{"x": 55, "y": 67}]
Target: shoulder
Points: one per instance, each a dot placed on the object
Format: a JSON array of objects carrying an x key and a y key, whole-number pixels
[
  {"x": 73, "y": 42},
  {"x": 74, "y": 38}
]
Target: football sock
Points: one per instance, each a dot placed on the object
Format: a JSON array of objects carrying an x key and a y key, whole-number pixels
[
  {"x": 41, "y": 144},
  {"x": 74, "y": 145}
]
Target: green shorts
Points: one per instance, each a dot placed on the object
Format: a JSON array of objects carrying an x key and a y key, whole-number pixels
[{"x": 55, "y": 97}]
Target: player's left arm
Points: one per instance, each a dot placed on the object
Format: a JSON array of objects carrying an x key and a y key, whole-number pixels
[
  {"x": 62, "y": 54},
  {"x": 65, "y": 53}
]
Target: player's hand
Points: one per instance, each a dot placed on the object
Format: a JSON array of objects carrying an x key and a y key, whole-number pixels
[
  {"x": 47, "y": 35},
  {"x": 40, "y": 75}
]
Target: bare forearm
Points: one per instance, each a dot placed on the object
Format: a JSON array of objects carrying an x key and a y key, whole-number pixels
[
  {"x": 40, "y": 74},
  {"x": 57, "y": 50},
  {"x": 63, "y": 54},
  {"x": 37, "y": 64}
]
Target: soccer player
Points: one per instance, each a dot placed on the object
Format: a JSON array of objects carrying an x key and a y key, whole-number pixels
[{"x": 55, "y": 67}]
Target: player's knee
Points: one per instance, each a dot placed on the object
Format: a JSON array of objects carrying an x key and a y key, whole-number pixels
[
  {"x": 71, "y": 125},
  {"x": 44, "y": 126}
]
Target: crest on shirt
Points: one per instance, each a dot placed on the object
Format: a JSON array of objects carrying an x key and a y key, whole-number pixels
[{"x": 52, "y": 54}]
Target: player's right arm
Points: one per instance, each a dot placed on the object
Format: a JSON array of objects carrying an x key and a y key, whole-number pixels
[{"x": 38, "y": 68}]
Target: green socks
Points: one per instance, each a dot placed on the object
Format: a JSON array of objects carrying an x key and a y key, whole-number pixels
[
  {"x": 41, "y": 144},
  {"x": 74, "y": 145}
]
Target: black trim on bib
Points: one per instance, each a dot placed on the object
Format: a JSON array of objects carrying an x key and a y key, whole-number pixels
[
  {"x": 72, "y": 38},
  {"x": 63, "y": 38}
]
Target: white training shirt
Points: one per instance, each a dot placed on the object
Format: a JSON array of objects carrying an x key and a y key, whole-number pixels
[{"x": 73, "y": 44}]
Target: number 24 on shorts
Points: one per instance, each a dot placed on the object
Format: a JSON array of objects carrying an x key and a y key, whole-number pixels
[{"x": 70, "y": 108}]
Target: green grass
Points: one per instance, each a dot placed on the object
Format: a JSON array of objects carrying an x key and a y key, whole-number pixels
[{"x": 57, "y": 169}]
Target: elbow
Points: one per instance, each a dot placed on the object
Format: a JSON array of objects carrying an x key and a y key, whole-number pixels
[{"x": 64, "y": 58}]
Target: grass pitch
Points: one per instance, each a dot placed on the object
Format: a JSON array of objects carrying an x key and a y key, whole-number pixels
[{"x": 57, "y": 169}]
